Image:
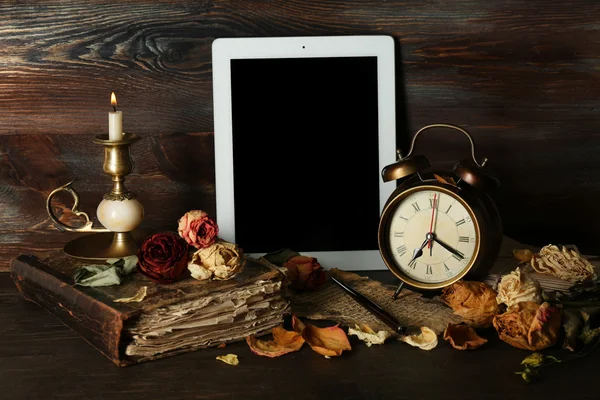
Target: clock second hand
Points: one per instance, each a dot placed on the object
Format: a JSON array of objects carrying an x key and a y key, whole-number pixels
[{"x": 430, "y": 244}]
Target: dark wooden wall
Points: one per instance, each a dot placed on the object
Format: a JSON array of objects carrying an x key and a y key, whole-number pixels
[{"x": 522, "y": 76}]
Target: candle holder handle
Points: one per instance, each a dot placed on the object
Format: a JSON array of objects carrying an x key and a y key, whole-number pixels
[{"x": 87, "y": 227}]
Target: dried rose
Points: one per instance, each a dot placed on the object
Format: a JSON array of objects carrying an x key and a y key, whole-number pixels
[
  {"x": 565, "y": 264},
  {"x": 463, "y": 337},
  {"x": 529, "y": 326},
  {"x": 305, "y": 273},
  {"x": 283, "y": 342},
  {"x": 517, "y": 287},
  {"x": 198, "y": 229},
  {"x": 222, "y": 260},
  {"x": 329, "y": 342},
  {"x": 475, "y": 302},
  {"x": 163, "y": 257}
]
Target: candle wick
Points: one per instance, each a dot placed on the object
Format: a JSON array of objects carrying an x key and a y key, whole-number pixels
[{"x": 115, "y": 108}]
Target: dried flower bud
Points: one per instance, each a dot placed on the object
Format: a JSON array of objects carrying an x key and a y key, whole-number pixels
[
  {"x": 222, "y": 260},
  {"x": 517, "y": 287},
  {"x": 566, "y": 264},
  {"x": 475, "y": 302},
  {"x": 529, "y": 326}
]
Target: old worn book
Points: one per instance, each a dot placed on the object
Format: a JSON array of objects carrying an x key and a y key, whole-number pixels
[{"x": 172, "y": 319}]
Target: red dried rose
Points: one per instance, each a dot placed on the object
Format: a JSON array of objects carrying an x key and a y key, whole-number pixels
[
  {"x": 197, "y": 229},
  {"x": 163, "y": 257},
  {"x": 305, "y": 273}
]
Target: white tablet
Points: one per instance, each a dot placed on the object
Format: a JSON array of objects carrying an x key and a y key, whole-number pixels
[{"x": 303, "y": 128}]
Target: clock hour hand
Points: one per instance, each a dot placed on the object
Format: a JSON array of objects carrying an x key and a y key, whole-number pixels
[
  {"x": 450, "y": 249},
  {"x": 418, "y": 252}
]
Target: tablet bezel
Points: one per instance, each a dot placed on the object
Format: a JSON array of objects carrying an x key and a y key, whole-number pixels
[{"x": 226, "y": 49}]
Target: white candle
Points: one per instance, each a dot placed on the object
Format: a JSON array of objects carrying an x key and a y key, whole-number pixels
[{"x": 115, "y": 121}]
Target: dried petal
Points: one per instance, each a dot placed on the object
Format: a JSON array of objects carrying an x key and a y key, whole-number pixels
[
  {"x": 368, "y": 335},
  {"x": 426, "y": 340},
  {"x": 230, "y": 359},
  {"x": 475, "y": 302},
  {"x": 297, "y": 325},
  {"x": 565, "y": 264},
  {"x": 529, "y": 326},
  {"x": 523, "y": 255},
  {"x": 517, "y": 287},
  {"x": 139, "y": 296},
  {"x": 463, "y": 337},
  {"x": 283, "y": 342},
  {"x": 331, "y": 341}
]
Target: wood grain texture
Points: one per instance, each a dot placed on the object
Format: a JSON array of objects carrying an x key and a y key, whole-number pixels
[
  {"x": 41, "y": 358},
  {"x": 522, "y": 77}
]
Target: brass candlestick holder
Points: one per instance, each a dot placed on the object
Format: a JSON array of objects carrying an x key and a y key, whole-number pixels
[{"x": 119, "y": 212}]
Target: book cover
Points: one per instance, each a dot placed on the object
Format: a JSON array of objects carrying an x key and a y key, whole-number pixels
[{"x": 175, "y": 318}]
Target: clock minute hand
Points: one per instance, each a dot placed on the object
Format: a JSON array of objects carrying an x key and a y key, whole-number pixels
[{"x": 450, "y": 249}]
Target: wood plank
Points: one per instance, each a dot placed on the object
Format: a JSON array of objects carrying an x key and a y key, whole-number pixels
[{"x": 521, "y": 76}]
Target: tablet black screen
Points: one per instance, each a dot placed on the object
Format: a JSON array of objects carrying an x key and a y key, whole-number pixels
[{"x": 305, "y": 146}]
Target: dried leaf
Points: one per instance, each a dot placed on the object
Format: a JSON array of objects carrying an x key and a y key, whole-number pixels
[
  {"x": 331, "y": 341},
  {"x": 474, "y": 301},
  {"x": 221, "y": 346},
  {"x": 529, "y": 326},
  {"x": 463, "y": 337},
  {"x": 230, "y": 359},
  {"x": 139, "y": 296},
  {"x": 447, "y": 180},
  {"x": 368, "y": 335},
  {"x": 283, "y": 342},
  {"x": 426, "y": 340},
  {"x": 523, "y": 255}
]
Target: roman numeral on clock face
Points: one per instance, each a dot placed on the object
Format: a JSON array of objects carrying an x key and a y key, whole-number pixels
[
  {"x": 463, "y": 239},
  {"x": 446, "y": 269},
  {"x": 459, "y": 223},
  {"x": 398, "y": 234},
  {"x": 436, "y": 205},
  {"x": 429, "y": 270},
  {"x": 401, "y": 250},
  {"x": 416, "y": 206}
]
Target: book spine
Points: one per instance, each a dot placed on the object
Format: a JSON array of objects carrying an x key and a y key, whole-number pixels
[{"x": 100, "y": 325}]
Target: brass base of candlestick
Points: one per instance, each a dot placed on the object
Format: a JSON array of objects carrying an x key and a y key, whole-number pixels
[{"x": 100, "y": 246}]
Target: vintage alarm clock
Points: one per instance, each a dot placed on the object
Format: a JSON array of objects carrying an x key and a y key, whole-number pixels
[{"x": 439, "y": 226}]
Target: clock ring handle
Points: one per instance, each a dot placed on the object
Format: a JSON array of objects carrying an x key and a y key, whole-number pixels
[{"x": 467, "y": 134}]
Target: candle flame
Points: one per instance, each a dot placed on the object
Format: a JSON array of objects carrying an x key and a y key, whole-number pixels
[{"x": 113, "y": 99}]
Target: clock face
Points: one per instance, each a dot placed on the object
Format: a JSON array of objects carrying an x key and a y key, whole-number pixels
[{"x": 433, "y": 236}]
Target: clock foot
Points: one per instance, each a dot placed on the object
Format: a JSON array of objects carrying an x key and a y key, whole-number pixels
[{"x": 397, "y": 292}]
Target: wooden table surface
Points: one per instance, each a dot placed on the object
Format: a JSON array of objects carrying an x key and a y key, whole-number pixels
[{"x": 40, "y": 358}]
